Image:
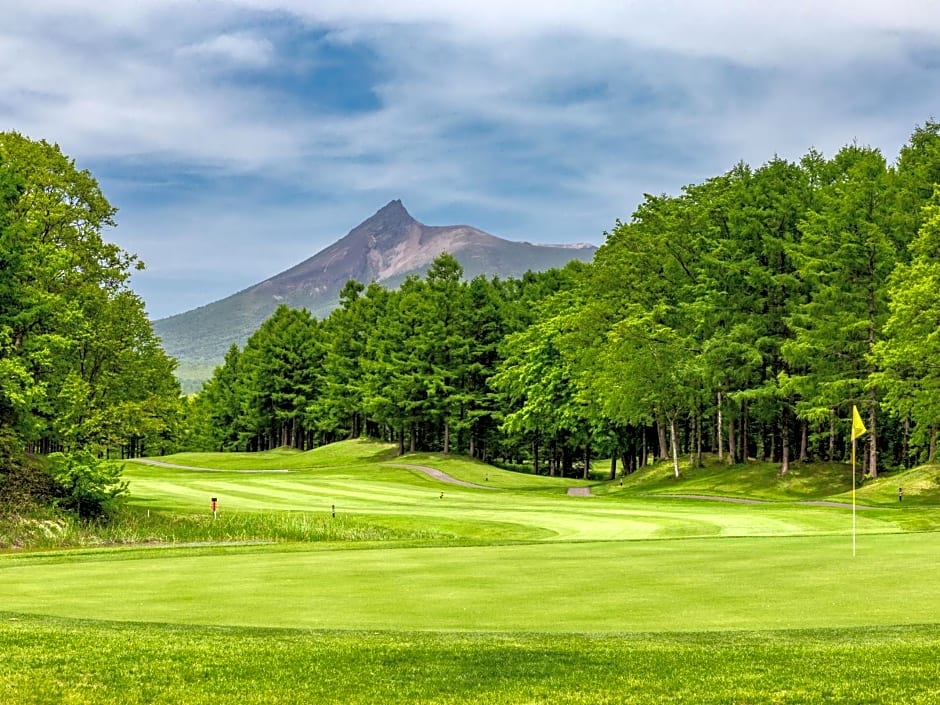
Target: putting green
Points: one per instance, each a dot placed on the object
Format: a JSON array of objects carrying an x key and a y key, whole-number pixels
[{"x": 665, "y": 585}]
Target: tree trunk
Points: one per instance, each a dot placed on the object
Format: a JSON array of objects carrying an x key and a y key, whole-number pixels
[
  {"x": 784, "y": 440},
  {"x": 446, "y": 437},
  {"x": 804, "y": 442},
  {"x": 718, "y": 431},
  {"x": 613, "y": 466},
  {"x": 745, "y": 432},
  {"x": 587, "y": 460},
  {"x": 698, "y": 441},
  {"x": 872, "y": 441},
  {"x": 731, "y": 442},
  {"x": 675, "y": 449},
  {"x": 832, "y": 438},
  {"x": 905, "y": 443},
  {"x": 567, "y": 461},
  {"x": 535, "y": 455},
  {"x": 663, "y": 446}
]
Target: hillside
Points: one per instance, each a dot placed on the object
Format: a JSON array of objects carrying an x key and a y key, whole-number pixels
[{"x": 385, "y": 248}]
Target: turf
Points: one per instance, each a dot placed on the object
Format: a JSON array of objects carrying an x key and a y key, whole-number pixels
[
  {"x": 517, "y": 593},
  {"x": 69, "y": 661},
  {"x": 669, "y": 585}
]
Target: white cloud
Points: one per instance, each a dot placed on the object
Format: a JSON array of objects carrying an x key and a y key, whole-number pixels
[
  {"x": 547, "y": 120},
  {"x": 240, "y": 48},
  {"x": 739, "y": 30}
]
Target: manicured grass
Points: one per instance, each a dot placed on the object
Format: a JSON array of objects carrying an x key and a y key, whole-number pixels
[
  {"x": 68, "y": 661},
  {"x": 752, "y": 583},
  {"x": 420, "y": 591},
  {"x": 348, "y": 454},
  {"x": 921, "y": 488},
  {"x": 361, "y": 479}
]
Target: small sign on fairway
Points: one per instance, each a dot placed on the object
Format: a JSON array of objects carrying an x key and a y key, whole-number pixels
[{"x": 215, "y": 505}]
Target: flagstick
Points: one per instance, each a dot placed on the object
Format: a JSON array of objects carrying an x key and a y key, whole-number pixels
[{"x": 853, "y": 498}]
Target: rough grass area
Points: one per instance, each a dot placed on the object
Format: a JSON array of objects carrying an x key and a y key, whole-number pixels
[
  {"x": 40, "y": 531},
  {"x": 53, "y": 661},
  {"x": 750, "y": 480}
]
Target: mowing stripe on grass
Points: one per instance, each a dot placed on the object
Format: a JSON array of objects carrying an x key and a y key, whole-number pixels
[{"x": 678, "y": 585}]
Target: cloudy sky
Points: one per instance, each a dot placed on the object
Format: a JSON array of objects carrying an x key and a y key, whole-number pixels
[{"x": 240, "y": 137}]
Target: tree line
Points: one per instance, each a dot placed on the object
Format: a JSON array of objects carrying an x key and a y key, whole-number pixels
[
  {"x": 744, "y": 316},
  {"x": 412, "y": 365}
]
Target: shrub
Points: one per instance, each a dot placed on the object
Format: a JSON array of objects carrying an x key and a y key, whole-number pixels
[
  {"x": 90, "y": 485},
  {"x": 22, "y": 481}
]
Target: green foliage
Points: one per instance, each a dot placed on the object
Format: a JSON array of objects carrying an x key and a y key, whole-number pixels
[
  {"x": 411, "y": 365},
  {"x": 89, "y": 484},
  {"x": 846, "y": 256},
  {"x": 742, "y": 317},
  {"x": 907, "y": 355},
  {"x": 80, "y": 366}
]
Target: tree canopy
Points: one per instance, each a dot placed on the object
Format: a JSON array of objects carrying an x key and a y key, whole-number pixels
[{"x": 80, "y": 367}]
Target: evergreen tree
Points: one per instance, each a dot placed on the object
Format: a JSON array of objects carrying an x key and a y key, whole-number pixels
[{"x": 845, "y": 258}]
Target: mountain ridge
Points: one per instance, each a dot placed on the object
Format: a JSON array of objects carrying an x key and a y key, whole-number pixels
[{"x": 386, "y": 247}]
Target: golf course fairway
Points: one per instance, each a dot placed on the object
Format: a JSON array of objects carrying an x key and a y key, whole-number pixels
[
  {"x": 669, "y": 585},
  {"x": 502, "y": 590}
]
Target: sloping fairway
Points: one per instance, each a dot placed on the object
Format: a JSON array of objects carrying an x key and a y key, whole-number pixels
[{"x": 510, "y": 591}]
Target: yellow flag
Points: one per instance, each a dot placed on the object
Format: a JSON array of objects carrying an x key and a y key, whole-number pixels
[{"x": 858, "y": 428}]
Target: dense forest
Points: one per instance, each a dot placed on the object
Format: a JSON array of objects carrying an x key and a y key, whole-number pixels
[{"x": 744, "y": 317}]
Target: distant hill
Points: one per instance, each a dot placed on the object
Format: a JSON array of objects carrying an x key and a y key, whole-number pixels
[{"x": 384, "y": 248}]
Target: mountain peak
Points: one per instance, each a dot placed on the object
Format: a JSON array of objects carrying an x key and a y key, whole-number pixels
[
  {"x": 390, "y": 215},
  {"x": 385, "y": 248},
  {"x": 392, "y": 207}
]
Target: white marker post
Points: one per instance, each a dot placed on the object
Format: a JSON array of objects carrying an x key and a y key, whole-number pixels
[{"x": 215, "y": 504}]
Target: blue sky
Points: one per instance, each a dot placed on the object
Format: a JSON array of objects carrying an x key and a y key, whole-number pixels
[{"x": 238, "y": 138}]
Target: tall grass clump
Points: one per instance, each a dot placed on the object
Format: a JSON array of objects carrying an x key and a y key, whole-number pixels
[{"x": 45, "y": 530}]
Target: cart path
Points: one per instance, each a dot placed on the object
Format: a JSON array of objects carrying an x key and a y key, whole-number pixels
[
  {"x": 579, "y": 491},
  {"x": 438, "y": 475}
]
